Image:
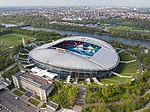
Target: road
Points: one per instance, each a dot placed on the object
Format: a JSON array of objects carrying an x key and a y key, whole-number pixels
[
  {"x": 8, "y": 68},
  {"x": 9, "y": 101}
]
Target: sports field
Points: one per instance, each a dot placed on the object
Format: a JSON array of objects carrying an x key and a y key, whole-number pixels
[{"x": 9, "y": 40}]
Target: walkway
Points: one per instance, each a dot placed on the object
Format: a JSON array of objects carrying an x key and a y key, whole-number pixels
[
  {"x": 146, "y": 106},
  {"x": 126, "y": 62},
  {"x": 8, "y": 68},
  {"x": 120, "y": 51},
  {"x": 80, "y": 99},
  {"x": 122, "y": 76}
]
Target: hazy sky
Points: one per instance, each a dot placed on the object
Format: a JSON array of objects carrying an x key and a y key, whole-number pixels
[{"x": 138, "y": 3}]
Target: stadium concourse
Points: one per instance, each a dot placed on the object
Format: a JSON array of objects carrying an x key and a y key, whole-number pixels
[{"x": 77, "y": 57}]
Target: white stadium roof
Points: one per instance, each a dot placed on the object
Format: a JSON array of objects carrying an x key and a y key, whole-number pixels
[{"x": 105, "y": 58}]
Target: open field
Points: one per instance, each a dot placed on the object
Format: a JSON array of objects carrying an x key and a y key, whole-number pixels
[{"x": 9, "y": 40}]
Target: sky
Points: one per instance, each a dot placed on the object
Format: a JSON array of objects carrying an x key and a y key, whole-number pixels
[{"x": 135, "y": 3}]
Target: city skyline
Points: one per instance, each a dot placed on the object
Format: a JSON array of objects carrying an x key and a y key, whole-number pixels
[{"x": 137, "y": 3}]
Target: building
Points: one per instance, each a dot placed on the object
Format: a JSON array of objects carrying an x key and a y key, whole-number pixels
[
  {"x": 51, "y": 106},
  {"x": 79, "y": 57},
  {"x": 4, "y": 82},
  {"x": 34, "y": 83}
]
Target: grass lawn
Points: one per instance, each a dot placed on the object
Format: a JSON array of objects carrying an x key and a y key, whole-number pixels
[
  {"x": 34, "y": 102},
  {"x": 44, "y": 105},
  {"x": 37, "y": 97},
  {"x": 9, "y": 73},
  {"x": 107, "y": 81},
  {"x": 29, "y": 48},
  {"x": 115, "y": 80},
  {"x": 11, "y": 40},
  {"x": 18, "y": 93},
  {"x": 23, "y": 56},
  {"x": 93, "y": 83},
  {"x": 24, "y": 62},
  {"x": 62, "y": 81},
  {"x": 127, "y": 68},
  {"x": 124, "y": 56},
  {"x": 23, "y": 90},
  {"x": 121, "y": 80},
  {"x": 82, "y": 82},
  {"x": 24, "y": 52}
]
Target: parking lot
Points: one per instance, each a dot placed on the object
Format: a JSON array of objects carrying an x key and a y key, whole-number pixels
[
  {"x": 4, "y": 109},
  {"x": 15, "y": 105}
]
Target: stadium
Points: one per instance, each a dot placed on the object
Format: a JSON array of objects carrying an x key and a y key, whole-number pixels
[{"x": 77, "y": 56}]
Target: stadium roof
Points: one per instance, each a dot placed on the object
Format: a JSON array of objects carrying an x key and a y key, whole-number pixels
[{"x": 105, "y": 58}]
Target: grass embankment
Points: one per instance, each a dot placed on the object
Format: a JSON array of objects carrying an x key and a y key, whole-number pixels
[
  {"x": 11, "y": 72},
  {"x": 128, "y": 69},
  {"x": 124, "y": 56}
]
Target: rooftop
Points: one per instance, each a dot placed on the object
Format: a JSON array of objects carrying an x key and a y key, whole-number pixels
[
  {"x": 44, "y": 84},
  {"x": 52, "y": 105},
  {"x": 43, "y": 73},
  {"x": 104, "y": 58}
]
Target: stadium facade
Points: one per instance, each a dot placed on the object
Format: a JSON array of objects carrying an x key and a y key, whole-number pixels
[{"x": 78, "y": 56}]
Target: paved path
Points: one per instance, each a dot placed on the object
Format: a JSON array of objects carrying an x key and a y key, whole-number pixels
[
  {"x": 120, "y": 51},
  {"x": 122, "y": 76},
  {"x": 8, "y": 68},
  {"x": 146, "y": 106},
  {"x": 80, "y": 99},
  {"x": 126, "y": 62},
  {"x": 142, "y": 109}
]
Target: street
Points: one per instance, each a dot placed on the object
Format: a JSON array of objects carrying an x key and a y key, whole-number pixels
[{"x": 9, "y": 101}]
